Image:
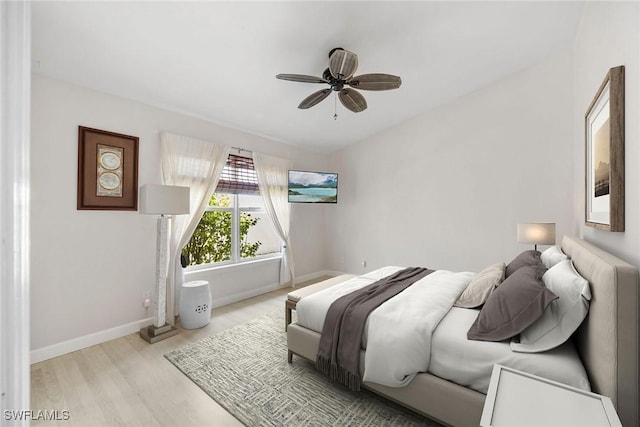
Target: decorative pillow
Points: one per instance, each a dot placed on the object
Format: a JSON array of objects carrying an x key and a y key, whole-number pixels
[
  {"x": 529, "y": 257},
  {"x": 518, "y": 302},
  {"x": 563, "y": 316},
  {"x": 481, "y": 286},
  {"x": 552, "y": 256}
]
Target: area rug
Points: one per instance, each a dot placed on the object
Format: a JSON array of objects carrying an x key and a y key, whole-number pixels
[{"x": 245, "y": 370}]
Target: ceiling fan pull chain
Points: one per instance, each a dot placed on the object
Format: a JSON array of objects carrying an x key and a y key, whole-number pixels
[{"x": 335, "y": 106}]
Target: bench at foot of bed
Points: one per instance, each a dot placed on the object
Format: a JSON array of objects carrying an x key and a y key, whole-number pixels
[{"x": 294, "y": 296}]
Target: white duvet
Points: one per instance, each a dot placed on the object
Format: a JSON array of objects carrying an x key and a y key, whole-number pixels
[
  {"x": 398, "y": 333},
  {"x": 418, "y": 330},
  {"x": 312, "y": 309},
  {"x": 470, "y": 363}
]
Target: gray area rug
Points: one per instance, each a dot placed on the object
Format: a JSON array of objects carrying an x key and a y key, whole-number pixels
[{"x": 245, "y": 370}]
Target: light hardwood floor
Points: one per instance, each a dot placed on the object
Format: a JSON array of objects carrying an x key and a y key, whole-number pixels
[{"x": 128, "y": 382}]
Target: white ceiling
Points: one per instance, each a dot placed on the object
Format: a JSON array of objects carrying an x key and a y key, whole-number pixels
[{"x": 218, "y": 60}]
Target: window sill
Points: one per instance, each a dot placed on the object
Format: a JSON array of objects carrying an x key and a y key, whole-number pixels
[{"x": 232, "y": 266}]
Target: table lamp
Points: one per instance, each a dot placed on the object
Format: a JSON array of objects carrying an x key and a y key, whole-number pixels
[{"x": 538, "y": 233}]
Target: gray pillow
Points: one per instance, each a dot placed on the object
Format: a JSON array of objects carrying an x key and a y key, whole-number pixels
[
  {"x": 481, "y": 286},
  {"x": 529, "y": 257},
  {"x": 563, "y": 316},
  {"x": 515, "y": 305}
]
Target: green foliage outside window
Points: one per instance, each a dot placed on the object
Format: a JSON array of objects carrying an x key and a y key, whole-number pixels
[{"x": 211, "y": 241}]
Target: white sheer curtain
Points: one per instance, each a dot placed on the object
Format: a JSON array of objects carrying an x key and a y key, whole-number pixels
[
  {"x": 272, "y": 175},
  {"x": 195, "y": 164}
]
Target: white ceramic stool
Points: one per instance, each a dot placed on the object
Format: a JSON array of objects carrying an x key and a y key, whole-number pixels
[{"x": 195, "y": 304}]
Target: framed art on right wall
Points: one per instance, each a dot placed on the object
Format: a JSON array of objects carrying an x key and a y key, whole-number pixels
[{"x": 604, "y": 152}]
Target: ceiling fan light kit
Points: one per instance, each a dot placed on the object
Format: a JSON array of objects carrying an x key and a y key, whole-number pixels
[{"x": 342, "y": 66}]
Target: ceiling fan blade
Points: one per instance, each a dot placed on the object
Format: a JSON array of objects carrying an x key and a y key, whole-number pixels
[
  {"x": 352, "y": 100},
  {"x": 375, "y": 81},
  {"x": 342, "y": 64},
  {"x": 301, "y": 78},
  {"x": 314, "y": 98}
]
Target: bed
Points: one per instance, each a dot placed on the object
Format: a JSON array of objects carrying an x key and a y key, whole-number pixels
[{"x": 606, "y": 342}]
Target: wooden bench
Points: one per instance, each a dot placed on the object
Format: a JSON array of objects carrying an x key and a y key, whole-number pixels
[{"x": 294, "y": 296}]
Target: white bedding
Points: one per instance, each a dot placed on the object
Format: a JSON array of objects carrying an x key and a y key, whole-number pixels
[
  {"x": 469, "y": 363},
  {"x": 445, "y": 351},
  {"x": 397, "y": 335},
  {"x": 399, "y": 331},
  {"x": 311, "y": 310}
]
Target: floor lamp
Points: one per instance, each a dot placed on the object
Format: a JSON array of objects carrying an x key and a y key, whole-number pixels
[
  {"x": 538, "y": 233},
  {"x": 162, "y": 200}
]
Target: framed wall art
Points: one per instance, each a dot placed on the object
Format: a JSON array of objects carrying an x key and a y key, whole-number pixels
[
  {"x": 604, "y": 152},
  {"x": 107, "y": 170},
  {"x": 313, "y": 187}
]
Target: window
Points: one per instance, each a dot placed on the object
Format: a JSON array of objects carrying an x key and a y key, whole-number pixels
[{"x": 235, "y": 227}]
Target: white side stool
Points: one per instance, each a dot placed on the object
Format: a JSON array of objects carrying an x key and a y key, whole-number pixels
[{"x": 195, "y": 304}]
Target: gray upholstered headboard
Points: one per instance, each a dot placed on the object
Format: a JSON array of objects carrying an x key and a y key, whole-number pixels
[{"x": 608, "y": 340}]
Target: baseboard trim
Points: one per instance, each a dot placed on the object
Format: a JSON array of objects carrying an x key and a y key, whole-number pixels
[
  {"x": 317, "y": 274},
  {"x": 229, "y": 299},
  {"x": 75, "y": 344},
  {"x": 335, "y": 273}
]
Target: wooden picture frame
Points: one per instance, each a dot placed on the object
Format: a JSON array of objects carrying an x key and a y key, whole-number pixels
[
  {"x": 604, "y": 155},
  {"x": 107, "y": 170}
]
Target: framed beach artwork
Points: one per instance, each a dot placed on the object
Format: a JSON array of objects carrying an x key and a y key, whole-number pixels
[
  {"x": 604, "y": 136},
  {"x": 107, "y": 170},
  {"x": 313, "y": 187}
]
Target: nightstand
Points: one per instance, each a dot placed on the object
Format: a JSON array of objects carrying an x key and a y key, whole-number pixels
[{"x": 516, "y": 398}]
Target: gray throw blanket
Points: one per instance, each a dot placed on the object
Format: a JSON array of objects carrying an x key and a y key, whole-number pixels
[{"x": 339, "y": 350}]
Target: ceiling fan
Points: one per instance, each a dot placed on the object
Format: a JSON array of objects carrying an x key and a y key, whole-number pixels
[{"x": 342, "y": 65}]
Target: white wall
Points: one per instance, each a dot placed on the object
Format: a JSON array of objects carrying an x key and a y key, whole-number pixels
[
  {"x": 447, "y": 188},
  {"x": 609, "y": 35},
  {"x": 233, "y": 283},
  {"x": 89, "y": 269}
]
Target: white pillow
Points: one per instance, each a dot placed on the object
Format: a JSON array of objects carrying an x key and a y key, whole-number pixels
[
  {"x": 563, "y": 316},
  {"x": 552, "y": 256}
]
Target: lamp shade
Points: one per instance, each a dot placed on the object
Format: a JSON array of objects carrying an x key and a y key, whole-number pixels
[
  {"x": 158, "y": 199},
  {"x": 538, "y": 233}
]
